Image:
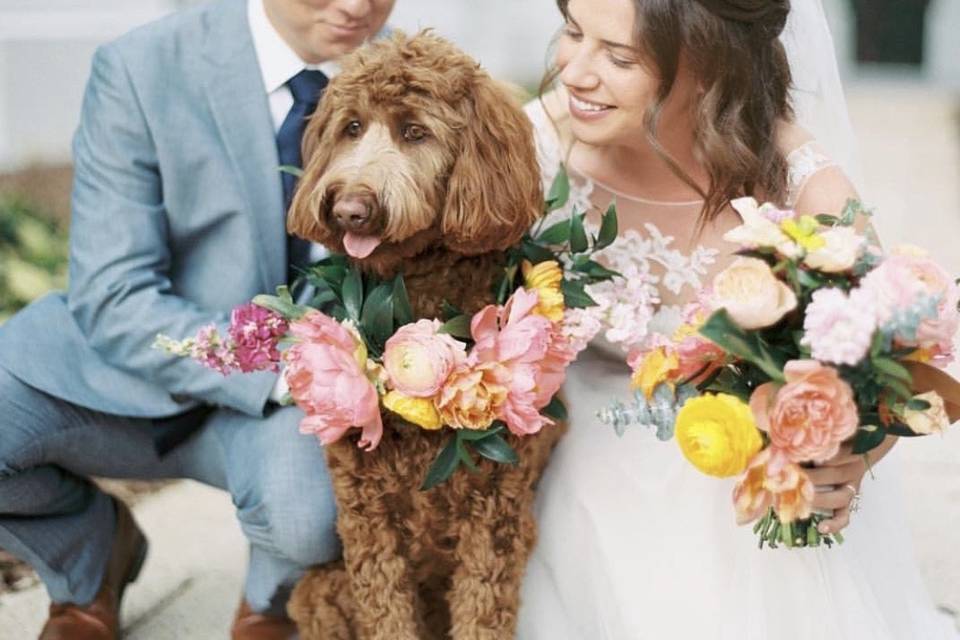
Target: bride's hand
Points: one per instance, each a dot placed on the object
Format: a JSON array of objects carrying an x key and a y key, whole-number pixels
[{"x": 838, "y": 480}]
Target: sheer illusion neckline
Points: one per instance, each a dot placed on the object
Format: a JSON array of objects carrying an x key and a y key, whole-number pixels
[{"x": 639, "y": 199}]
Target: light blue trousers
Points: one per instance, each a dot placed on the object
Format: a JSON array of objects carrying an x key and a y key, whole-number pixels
[{"x": 53, "y": 518}]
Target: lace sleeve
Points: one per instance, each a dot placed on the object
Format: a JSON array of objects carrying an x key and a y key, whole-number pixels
[{"x": 803, "y": 163}]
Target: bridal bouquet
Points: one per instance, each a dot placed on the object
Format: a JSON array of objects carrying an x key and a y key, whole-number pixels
[
  {"x": 810, "y": 339},
  {"x": 358, "y": 350}
]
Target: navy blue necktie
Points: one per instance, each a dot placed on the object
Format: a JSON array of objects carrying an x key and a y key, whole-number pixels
[{"x": 306, "y": 88}]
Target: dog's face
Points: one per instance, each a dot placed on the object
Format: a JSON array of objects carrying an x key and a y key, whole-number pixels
[{"x": 413, "y": 147}]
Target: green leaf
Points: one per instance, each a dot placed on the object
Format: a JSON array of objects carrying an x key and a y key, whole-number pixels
[
  {"x": 902, "y": 430},
  {"x": 444, "y": 465},
  {"x": 892, "y": 368},
  {"x": 402, "y": 312},
  {"x": 578, "y": 237},
  {"x": 918, "y": 404},
  {"x": 281, "y": 305},
  {"x": 497, "y": 449},
  {"x": 897, "y": 386},
  {"x": 473, "y": 434},
  {"x": 809, "y": 280},
  {"x": 608, "y": 227},
  {"x": 555, "y": 409},
  {"x": 731, "y": 338},
  {"x": 595, "y": 270},
  {"x": 297, "y": 172},
  {"x": 535, "y": 253},
  {"x": 353, "y": 293},
  {"x": 574, "y": 296},
  {"x": 559, "y": 191},
  {"x": 377, "y": 315},
  {"x": 449, "y": 311},
  {"x": 557, "y": 233},
  {"x": 827, "y": 220},
  {"x": 868, "y": 439},
  {"x": 458, "y": 327},
  {"x": 464, "y": 455}
]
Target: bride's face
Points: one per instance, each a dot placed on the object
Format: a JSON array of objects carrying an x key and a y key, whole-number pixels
[{"x": 610, "y": 84}]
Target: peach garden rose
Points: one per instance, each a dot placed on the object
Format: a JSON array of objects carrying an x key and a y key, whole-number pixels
[{"x": 752, "y": 295}]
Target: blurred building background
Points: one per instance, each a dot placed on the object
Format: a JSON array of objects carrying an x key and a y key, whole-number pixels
[{"x": 900, "y": 61}]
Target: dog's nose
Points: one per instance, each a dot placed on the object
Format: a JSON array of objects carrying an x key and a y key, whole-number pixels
[{"x": 353, "y": 210}]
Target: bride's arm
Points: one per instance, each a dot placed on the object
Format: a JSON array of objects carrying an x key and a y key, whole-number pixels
[{"x": 828, "y": 191}]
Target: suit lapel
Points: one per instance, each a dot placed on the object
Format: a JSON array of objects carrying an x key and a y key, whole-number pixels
[{"x": 240, "y": 108}]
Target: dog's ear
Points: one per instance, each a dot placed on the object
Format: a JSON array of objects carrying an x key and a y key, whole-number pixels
[
  {"x": 494, "y": 192},
  {"x": 305, "y": 216}
]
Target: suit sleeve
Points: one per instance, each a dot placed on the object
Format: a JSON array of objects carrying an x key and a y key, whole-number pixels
[{"x": 120, "y": 291}]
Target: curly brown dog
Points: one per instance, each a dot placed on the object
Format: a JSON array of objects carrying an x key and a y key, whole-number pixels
[{"x": 419, "y": 163}]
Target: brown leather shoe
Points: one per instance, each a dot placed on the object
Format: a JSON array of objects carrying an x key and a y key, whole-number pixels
[
  {"x": 100, "y": 620},
  {"x": 248, "y": 625}
]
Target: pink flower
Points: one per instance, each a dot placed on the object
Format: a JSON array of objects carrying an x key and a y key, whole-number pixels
[
  {"x": 529, "y": 349},
  {"x": 212, "y": 351},
  {"x": 839, "y": 328},
  {"x": 908, "y": 278},
  {"x": 325, "y": 373},
  {"x": 771, "y": 479},
  {"x": 418, "y": 359},
  {"x": 256, "y": 332},
  {"x": 809, "y": 416}
]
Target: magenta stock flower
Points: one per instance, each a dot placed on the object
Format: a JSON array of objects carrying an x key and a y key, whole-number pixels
[
  {"x": 326, "y": 375},
  {"x": 256, "y": 332}
]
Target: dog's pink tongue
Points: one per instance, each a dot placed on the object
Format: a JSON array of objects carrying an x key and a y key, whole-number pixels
[{"x": 358, "y": 246}]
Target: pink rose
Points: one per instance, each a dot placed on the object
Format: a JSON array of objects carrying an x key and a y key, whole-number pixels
[
  {"x": 325, "y": 373},
  {"x": 809, "y": 416},
  {"x": 418, "y": 360},
  {"x": 907, "y": 278}
]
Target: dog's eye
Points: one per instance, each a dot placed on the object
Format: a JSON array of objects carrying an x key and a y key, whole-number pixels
[
  {"x": 413, "y": 132},
  {"x": 353, "y": 128}
]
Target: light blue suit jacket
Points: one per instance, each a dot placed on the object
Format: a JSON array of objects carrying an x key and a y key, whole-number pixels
[{"x": 177, "y": 218}]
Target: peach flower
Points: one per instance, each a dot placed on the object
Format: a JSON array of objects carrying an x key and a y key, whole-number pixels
[
  {"x": 772, "y": 480},
  {"x": 325, "y": 373},
  {"x": 809, "y": 416},
  {"x": 473, "y": 396},
  {"x": 418, "y": 360},
  {"x": 753, "y": 296}
]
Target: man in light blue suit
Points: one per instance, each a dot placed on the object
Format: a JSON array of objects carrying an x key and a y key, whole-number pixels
[{"x": 178, "y": 216}]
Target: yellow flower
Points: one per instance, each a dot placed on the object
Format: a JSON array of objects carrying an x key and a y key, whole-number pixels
[
  {"x": 717, "y": 434},
  {"x": 418, "y": 411},
  {"x": 804, "y": 232},
  {"x": 545, "y": 279},
  {"x": 655, "y": 368}
]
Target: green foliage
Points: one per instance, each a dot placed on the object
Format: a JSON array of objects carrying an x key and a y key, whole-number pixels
[{"x": 33, "y": 254}]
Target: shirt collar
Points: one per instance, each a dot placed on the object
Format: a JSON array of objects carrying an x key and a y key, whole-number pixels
[{"x": 278, "y": 62}]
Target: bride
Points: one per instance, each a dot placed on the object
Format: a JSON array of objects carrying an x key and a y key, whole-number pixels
[{"x": 673, "y": 108}]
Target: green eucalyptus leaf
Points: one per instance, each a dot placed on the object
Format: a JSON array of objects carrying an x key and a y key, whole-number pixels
[
  {"x": 353, "y": 294},
  {"x": 608, "y": 227},
  {"x": 578, "y": 237},
  {"x": 497, "y": 449},
  {"x": 443, "y": 466}
]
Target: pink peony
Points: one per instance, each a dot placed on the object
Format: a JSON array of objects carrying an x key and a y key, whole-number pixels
[
  {"x": 839, "y": 328},
  {"x": 809, "y": 416},
  {"x": 418, "y": 359},
  {"x": 325, "y": 373},
  {"x": 255, "y": 333},
  {"x": 908, "y": 278},
  {"x": 528, "y": 349}
]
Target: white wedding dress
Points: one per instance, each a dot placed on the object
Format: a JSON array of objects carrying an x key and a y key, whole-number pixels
[{"x": 635, "y": 543}]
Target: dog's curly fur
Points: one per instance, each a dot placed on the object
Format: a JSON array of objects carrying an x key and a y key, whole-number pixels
[{"x": 442, "y": 163}]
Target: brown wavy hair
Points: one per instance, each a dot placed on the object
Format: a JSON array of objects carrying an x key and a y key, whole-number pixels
[{"x": 733, "y": 50}]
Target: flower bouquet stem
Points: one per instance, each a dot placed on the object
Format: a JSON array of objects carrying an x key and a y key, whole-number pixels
[{"x": 799, "y": 533}]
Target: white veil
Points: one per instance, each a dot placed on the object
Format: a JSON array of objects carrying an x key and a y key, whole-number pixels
[{"x": 818, "y": 98}]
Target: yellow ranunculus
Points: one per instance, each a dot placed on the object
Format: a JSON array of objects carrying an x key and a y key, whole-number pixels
[
  {"x": 717, "y": 434},
  {"x": 545, "y": 279},
  {"x": 418, "y": 411},
  {"x": 804, "y": 232},
  {"x": 655, "y": 368}
]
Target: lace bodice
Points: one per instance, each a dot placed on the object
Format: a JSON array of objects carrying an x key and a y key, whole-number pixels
[{"x": 660, "y": 272}]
